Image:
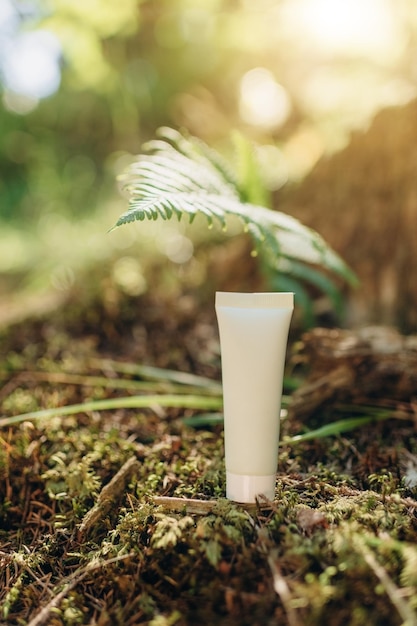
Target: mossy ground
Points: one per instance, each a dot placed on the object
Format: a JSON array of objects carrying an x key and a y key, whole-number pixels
[{"x": 337, "y": 546}]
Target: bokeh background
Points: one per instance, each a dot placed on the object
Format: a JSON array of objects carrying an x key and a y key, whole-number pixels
[{"x": 84, "y": 83}]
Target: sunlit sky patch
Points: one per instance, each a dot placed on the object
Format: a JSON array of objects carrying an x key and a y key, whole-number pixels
[
  {"x": 8, "y": 17},
  {"x": 29, "y": 62},
  {"x": 370, "y": 28}
]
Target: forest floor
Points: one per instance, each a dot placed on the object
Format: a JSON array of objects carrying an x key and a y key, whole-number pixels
[{"x": 114, "y": 512}]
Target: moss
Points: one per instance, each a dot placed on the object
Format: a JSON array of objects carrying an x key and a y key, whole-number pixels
[{"x": 336, "y": 547}]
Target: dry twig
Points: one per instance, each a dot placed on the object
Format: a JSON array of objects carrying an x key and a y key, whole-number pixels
[{"x": 111, "y": 492}]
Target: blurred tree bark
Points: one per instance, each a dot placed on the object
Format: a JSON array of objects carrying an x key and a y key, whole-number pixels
[
  {"x": 370, "y": 366},
  {"x": 363, "y": 201}
]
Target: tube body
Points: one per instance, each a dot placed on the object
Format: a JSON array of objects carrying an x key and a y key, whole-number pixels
[{"x": 253, "y": 329}]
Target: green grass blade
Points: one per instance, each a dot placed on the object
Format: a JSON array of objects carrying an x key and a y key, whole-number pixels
[
  {"x": 129, "y": 402},
  {"x": 151, "y": 372},
  {"x": 338, "y": 428},
  {"x": 203, "y": 420},
  {"x": 335, "y": 428}
]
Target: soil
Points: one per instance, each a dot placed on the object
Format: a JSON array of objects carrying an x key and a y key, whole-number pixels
[{"x": 119, "y": 517}]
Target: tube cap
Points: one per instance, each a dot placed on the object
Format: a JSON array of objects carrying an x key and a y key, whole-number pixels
[{"x": 245, "y": 488}]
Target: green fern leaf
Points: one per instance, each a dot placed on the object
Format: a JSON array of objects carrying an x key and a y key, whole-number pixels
[{"x": 180, "y": 175}]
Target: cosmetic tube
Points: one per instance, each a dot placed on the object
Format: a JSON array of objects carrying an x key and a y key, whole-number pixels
[{"x": 253, "y": 329}]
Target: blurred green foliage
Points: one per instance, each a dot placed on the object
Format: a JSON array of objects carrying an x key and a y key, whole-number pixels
[
  {"x": 295, "y": 76},
  {"x": 131, "y": 66}
]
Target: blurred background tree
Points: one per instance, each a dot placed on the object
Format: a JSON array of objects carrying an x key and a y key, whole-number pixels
[{"x": 85, "y": 82}]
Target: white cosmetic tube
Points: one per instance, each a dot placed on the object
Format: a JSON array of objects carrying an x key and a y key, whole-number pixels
[{"x": 253, "y": 330}]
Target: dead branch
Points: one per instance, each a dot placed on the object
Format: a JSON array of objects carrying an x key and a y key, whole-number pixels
[{"x": 355, "y": 367}]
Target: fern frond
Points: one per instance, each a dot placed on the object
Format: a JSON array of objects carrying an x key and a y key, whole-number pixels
[
  {"x": 181, "y": 176},
  {"x": 196, "y": 149}
]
